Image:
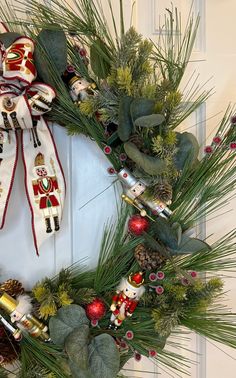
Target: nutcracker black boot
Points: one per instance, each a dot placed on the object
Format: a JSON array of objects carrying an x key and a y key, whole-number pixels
[
  {"x": 48, "y": 225},
  {"x": 56, "y": 223}
]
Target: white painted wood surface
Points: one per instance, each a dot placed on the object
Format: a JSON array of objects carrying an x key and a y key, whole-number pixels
[{"x": 86, "y": 174}]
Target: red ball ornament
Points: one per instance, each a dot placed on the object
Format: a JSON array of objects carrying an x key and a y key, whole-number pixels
[
  {"x": 137, "y": 225},
  {"x": 96, "y": 309}
]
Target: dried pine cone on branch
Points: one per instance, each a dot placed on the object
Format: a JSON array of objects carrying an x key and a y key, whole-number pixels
[
  {"x": 12, "y": 288},
  {"x": 9, "y": 348},
  {"x": 147, "y": 258},
  {"x": 163, "y": 191}
]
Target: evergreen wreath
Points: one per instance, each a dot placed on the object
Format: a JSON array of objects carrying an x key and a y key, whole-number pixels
[{"x": 125, "y": 95}]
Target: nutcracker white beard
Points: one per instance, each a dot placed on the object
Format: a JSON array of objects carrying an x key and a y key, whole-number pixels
[{"x": 21, "y": 110}]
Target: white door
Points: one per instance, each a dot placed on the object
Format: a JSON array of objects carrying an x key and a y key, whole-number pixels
[{"x": 86, "y": 175}]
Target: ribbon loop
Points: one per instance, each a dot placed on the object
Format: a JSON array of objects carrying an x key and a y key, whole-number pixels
[{"x": 22, "y": 105}]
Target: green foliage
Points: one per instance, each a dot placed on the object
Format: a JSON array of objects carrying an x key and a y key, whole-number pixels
[
  {"x": 207, "y": 188},
  {"x": 96, "y": 357},
  {"x": 177, "y": 243},
  {"x": 151, "y": 165},
  {"x": 37, "y": 356},
  {"x": 66, "y": 320},
  {"x": 152, "y": 120},
  {"x": 141, "y": 107},
  {"x": 55, "y": 44},
  {"x": 98, "y": 59},
  {"x": 125, "y": 124},
  {"x": 187, "y": 150},
  {"x": 8, "y": 38},
  {"x": 104, "y": 358},
  {"x": 182, "y": 301},
  {"x": 76, "y": 346},
  {"x": 221, "y": 256},
  {"x": 3, "y": 373},
  {"x": 53, "y": 294}
]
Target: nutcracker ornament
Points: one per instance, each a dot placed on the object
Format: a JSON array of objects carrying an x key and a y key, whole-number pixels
[
  {"x": 46, "y": 191},
  {"x": 79, "y": 88},
  {"x": 126, "y": 299},
  {"x": 134, "y": 194},
  {"x": 20, "y": 313}
]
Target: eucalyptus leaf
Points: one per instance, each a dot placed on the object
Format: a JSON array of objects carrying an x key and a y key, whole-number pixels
[
  {"x": 151, "y": 165},
  {"x": 152, "y": 120},
  {"x": 104, "y": 357},
  {"x": 67, "y": 319},
  {"x": 141, "y": 107},
  {"x": 176, "y": 227},
  {"x": 188, "y": 150},
  {"x": 77, "y": 372},
  {"x": 165, "y": 233},
  {"x": 76, "y": 346},
  {"x": 99, "y": 59},
  {"x": 125, "y": 124},
  {"x": 55, "y": 45},
  {"x": 190, "y": 245},
  {"x": 8, "y": 38}
]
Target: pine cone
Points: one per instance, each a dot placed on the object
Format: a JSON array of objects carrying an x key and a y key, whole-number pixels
[
  {"x": 163, "y": 191},
  {"x": 12, "y": 288},
  {"x": 147, "y": 258},
  {"x": 9, "y": 348}
]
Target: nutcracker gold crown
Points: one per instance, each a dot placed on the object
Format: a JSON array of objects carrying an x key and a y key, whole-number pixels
[
  {"x": 136, "y": 279},
  {"x": 7, "y": 303}
]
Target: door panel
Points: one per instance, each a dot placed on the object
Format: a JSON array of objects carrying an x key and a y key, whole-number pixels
[{"x": 86, "y": 174}]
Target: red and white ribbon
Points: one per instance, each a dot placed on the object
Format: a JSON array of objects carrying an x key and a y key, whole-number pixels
[{"x": 22, "y": 105}]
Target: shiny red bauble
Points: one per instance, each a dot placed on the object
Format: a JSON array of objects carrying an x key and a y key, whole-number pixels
[
  {"x": 137, "y": 225},
  {"x": 96, "y": 309}
]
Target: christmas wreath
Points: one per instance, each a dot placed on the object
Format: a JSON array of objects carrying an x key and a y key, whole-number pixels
[{"x": 154, "y": 276}]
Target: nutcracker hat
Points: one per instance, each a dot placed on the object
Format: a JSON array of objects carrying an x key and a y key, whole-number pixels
[
  {"x": 136, "y": 279},
  {"x": 39, "y": 160}
]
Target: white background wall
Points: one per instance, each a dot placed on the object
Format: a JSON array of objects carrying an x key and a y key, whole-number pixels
[{"x": 86, "y": 174}]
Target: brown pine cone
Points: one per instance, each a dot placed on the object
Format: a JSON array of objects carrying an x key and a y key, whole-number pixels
[
  {"x": 147, "y": 258},
  {"x": 9, "y": 348},
  {"x": 163, "y": 191},
  {"x": 12, "y": 288}
]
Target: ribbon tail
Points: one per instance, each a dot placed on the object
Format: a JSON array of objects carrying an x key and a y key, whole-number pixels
[
  {"x": 8, "y": 162},
  {"x": 44, "y": 181}
]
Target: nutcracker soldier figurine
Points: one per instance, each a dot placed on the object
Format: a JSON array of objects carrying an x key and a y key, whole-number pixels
[
  {"x": 125, "y": 301},
  {"x": 20, "y": 311},
  {"x": 45, "y": 188}
]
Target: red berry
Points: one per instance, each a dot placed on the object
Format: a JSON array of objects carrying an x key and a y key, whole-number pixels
[
  {"x": 160, "y": 275},
  {"x": 208, "y": 149},
  {"x": 193, "y": 274},
  {"x": 111, "y": 171},
  {"x": 159, "y": 290},
  {"x": 123, "y": 345},
  {"x": 217, "y": 139},
  {"x": 123, "y": 157},
  {"x": 233, "y": 119},
  {"x": 129, "y": 335},
  {"x": 232, "y": 146},
  {"x": 137, "y": 225},
  {"x": 137, "y": 356},
  {"x": 107, "y": 150},
  {"x": 185, "y": 281},
  {"x": 152, "y": 277},
  {"x": 152, "y": 353}
]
